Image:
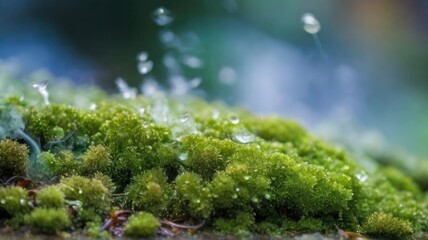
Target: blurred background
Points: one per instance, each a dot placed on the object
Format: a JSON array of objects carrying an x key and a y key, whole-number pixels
[{"x": 371, "y": 88}]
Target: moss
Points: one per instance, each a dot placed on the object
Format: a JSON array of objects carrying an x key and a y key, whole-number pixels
[
  {"x": 400, "y": 181},
  {"x": 96, "y": 159},
  {"x": 60, "y": 164},
  {"x": 13, "y": 159},
  {"x": 48, "y": 220},
  {"x": 50, "y": 197},
  {"x": 149, "y": 192},
  {"x": 14, "y": 200},
  {"x": 240, "y": 225},
  {"x": 142, "y": 224},
  {"x": 385, "y": 225}
]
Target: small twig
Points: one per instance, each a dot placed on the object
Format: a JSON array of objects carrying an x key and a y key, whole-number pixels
[{"x": 182, "y": 226}]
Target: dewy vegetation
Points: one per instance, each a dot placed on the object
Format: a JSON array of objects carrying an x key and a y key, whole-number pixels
[{"x": 102, "y": 164}]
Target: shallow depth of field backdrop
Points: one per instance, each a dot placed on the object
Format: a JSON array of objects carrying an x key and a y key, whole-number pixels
[{"x": 371, "y": 89}]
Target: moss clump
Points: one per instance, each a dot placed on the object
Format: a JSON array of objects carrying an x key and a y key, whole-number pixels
[
  {"x": 96, "y": 159},
  {"x": 14, "y": 200},
  {"x": 50, "y": 197},
  {"x": 385, "y": 225},
  {"x": 48, "y": 220},
  {"x": 142, "y": 224},
  {"x": 13, "y": 159},
  {"x": 60, "y": 164}
]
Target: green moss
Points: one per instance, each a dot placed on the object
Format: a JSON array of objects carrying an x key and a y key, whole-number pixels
[
  {"x": 240, "y": 225},
  {"x": 47, "y": 220},
  {"x": 50, "y": 197},
  {"x": 14, "y": 200},
  {"x": 141, "y": 224},
  {"x": 400, "y": 181},
  {"x": 13, "y": 159},
  {"x": 60, "y": 164},
  {"x": 385, "y": 225},
  {"x": 96, "y": 159}
]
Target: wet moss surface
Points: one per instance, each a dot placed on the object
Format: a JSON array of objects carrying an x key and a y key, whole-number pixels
[{"x": 103, "y": 165}]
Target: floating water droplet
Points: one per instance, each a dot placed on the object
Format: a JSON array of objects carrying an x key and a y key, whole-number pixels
[
  {"x": 42, "y": 87},
  {"x": 234, "y": 120},
  {"x": 162, "y": 16},
  {"x": 22, "y": 201},
  {"x": 141, "y": 111},
  {"x": 183, "y": 156},
  {"x": 142, "y": 56},
  {"x": 149, "y": 87},
  {"x": 93, "y": 106},
  {"x": 227, "y": 75},
  {"x": 179, "y": 85},
  {"x": 247, "y": 178},
  {"x": 310, "y": 23},
  {"x": 237, "y": 189},
  {"x": 145, "y": 67},
  {"x": 234, "y": 196},
  {"x": 126, "y": 91},
  {"x": 192, "y": 61},
  {"x": 195, "y": 82},
  {"x": 80, "y": 191},
  {"x": 185, "y": 117},
  {"x": 244, "y": 137},
  {"x": 361, "y": 176},
  {"x": 167, "y": 37}
]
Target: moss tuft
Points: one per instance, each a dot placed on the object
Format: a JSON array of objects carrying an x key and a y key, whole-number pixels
[
  {"x": 50, "y": 197},
  {"x": 48, "y": 220},
  {"x": 142, "y": 224},
  {"x": 385, "y": 225},
  {"x": 13, "y": 159}
]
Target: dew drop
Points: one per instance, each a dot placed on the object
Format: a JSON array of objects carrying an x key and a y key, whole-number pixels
[
  {"x": 141, "y": 111},
  {"x": 227, "y": 75},
  {"x": 267, "y": 196},
  {"x": 142, "y": 56},
  {"x": 254, "y": 199},
  {"x": 126, "y": 91},
  {"x": 216, "y": 114},
  {"x": 146, "y": 124},
  {"x": 93, "y": 106},
  {"x": 80, "y": 191},
  {"x": 3, "y": 201},
  {"x": 192, "y": 61},
  {"x": 234, "y": 196},
  {"x": 162, "y": 16},
  {"x": 198, "y": 200},
  {"x": 195, "y": 82},
  {"x": 234, "y": 120},
  {"x": 245, "y": 137},
  {"x": 22, "y": 201},
  {"x": 361, "y": 176},
  {"x": 183, "y": 156},
  {"x": 145, "y": 67},
  {"x": 166, "y": 37},
  {"x": 310, "y": 23},
  {"x": 247, "y": 178},
  {"x": 237, "y": 189},
  {"x": 185, "y": 117}
]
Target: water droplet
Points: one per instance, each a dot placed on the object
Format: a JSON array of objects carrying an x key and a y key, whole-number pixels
[
  {"x": 142, "y": 56},
  {"x": 310, "y": 23},
  {"x": 162, "y": 16},
  {"x": 234, "y": 120},
  {"x": 42, "y": 87},
  {"x": 146, "y": 124},
  {"x": 254, "y": 199},
  {"x": 267, "y": 196},
  {"x": 185, "y": 117},
  {"x": 244, "y": 137},
  {"x": 247, "y": 178},
  {"x": 234, "y": 196},
  {"x": 198, "y": 200},
  {"x": 227, "y": 75},
  {"x": 80, "y": 191},
  {"x": 183, "y": 156},
  {"x": 145, "y": 67},
  {"x": 216, "y": 114},
  {"x": 126, "y": 91},
  {"x": 237, "y": 189},
  {"x": 3, "y": 201},
  {"x": 149, "y": 87},
  {"x": 22, "y": 201},
  {"x": 195, "y": 82},
  {"x": 167, "y": 37},
  {"x": 141, "y": 111},
  {"x": 192, "y": 61},
  {"x": 361, "y": 176},
  {"x": 93, "y": 106}
]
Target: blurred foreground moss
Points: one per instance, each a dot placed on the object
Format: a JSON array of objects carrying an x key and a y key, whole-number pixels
[{"x": 182, "y": 158}]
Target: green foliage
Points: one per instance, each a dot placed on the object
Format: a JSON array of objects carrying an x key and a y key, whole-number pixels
[
  {"x": 400, "y": 181},
  {"x": 96, "y": 159},
  {"x": 14, "y": 200},
  {"x": 48, "y": 220},
  {"x": 241, "y": 225},
  {"x": 385, "y": 225},
  {"x": 142, "y": 224},
  {"x": 60, "y": 164},
  {"x": 90, "y": 192},
  {"x": 13, "y": 159},
  {"x": 149, "y": 192},
  {"x": 50, "y": 197}
]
